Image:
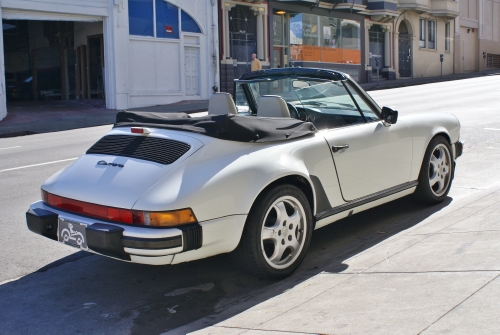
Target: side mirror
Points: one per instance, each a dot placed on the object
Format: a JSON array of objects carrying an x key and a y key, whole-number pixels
[{"x": 389, "y": 115}]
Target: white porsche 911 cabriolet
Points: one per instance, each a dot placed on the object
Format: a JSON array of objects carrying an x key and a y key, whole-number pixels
[{"x": 296, "y": 149}]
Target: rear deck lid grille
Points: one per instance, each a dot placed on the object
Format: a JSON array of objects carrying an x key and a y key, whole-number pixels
[{"x": 154, "y": 149}]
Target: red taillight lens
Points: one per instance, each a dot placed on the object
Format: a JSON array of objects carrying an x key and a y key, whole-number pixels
[
  {"x": 120, "y": 215},
  {"x": 85, "y": 208}
]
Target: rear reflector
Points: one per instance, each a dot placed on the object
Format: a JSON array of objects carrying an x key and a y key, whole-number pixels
[
  {"x": 140, "y": 130},
  {"x": 120, "y": 215}
]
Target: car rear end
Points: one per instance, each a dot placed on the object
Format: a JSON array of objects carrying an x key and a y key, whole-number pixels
[{"x": 90, "y": 204}]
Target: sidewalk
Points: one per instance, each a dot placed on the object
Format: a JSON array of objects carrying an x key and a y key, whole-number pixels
[
  {"x": 440, "y": 276},
  {"x": 25, "y": 118}
]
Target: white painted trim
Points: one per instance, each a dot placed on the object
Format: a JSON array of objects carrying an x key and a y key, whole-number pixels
[
  {"x": 3, "y": 100},
  {"x": 109, "y": 63},
  {"x": 79, "y": 8},
  {"x": 14, "y": 14},
  {"x": 155, "y": 93},
  {"x": 154, "y": 39}
]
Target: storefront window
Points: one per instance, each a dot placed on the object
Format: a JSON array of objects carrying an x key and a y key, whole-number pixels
[
  {"x": 166, "y": 23},
  {"x": 316, "y": 38},
  {"x": 189, "y": 24},
  {"x": 278, "y": 29},
  {"x": 140, "y": 16},
  {"x": 167, "y": 20}
]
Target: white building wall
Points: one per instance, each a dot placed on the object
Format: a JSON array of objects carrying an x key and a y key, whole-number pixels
[{"x": 139, "y": 71}]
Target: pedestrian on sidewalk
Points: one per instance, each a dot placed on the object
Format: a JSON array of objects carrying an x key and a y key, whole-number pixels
[{"x": 255, "y": 63}]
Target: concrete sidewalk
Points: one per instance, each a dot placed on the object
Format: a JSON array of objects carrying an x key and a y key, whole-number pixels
[
  {"x": 25, "y": 118},
  {"x": 440, "y": 276}
]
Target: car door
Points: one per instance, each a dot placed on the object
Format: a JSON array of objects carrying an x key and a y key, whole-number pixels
[{"x": 369, "y": 156}]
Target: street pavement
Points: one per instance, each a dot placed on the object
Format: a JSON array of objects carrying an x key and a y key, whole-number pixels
[
  {"x": 401, "y": 268},
  {"x": 440, "y": 276}
]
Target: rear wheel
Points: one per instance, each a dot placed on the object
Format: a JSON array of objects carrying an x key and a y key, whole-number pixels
[
  {"x": 277, "y": 233},
  {"x": 436, "y": 174}
]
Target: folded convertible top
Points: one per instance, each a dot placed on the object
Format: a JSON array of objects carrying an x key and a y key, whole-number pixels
[{"x": 225, "y": 127}]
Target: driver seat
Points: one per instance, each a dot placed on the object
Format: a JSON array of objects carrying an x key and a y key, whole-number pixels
[{"x": 272, "y": 106}]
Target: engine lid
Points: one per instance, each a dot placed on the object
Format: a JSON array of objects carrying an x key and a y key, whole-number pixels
[{"x": 121, "y": 166}]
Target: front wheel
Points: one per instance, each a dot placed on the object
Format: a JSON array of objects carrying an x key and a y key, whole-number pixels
[
  {"x": 277, "y": 233},
  {"x": 436, "y": 174}
]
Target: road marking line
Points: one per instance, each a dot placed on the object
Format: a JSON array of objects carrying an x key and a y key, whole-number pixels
[
  {"x": 28, "y": 166},
  {"x": 491, "y": 129},
  {"x": 17, "y": 146}
]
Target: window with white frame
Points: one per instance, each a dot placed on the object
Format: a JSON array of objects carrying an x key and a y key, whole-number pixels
[
  {"x": 427, "y": 36},
  {"x": 422, "y": 33},
  {"x": 447, "y": 37}
]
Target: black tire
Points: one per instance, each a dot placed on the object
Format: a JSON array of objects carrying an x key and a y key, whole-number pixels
[
  {"x": 436, "y": 173},
  {"x": 289, "y": 239}
]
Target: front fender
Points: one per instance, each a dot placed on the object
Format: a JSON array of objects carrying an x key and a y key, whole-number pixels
[{"x": 423, "y": 128}]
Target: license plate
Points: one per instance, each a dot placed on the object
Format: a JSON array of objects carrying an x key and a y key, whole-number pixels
[{"x": 72, "y": 233}]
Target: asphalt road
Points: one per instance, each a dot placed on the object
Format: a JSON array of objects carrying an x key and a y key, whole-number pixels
[{"x": 49, "y": 288}]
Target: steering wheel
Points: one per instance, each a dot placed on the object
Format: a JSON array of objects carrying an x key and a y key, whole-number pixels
[{"x": 293, "y": 111}]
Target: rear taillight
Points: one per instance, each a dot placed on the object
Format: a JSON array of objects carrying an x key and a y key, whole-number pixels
[
  {"x": 88, "y": 209},
  {"x": 121, "y": 215}
]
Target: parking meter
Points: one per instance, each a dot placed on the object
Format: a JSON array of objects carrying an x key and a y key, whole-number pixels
[
  {"x": 441, "y": 59},
  {"x": 484, "y": 57}
]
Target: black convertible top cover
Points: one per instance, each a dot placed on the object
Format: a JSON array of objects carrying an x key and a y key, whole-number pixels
[{"x": 226, "y": 127}]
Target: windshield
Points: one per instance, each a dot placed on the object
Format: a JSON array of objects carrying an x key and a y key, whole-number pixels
[{"x": 326, "y": 103}]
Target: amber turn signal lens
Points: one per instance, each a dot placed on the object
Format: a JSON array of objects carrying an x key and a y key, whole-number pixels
[{"x": 171, "y": 218}]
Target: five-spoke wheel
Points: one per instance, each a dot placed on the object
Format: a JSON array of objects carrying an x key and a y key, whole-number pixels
[
  {"x": 277, "y": 233},
  {"x": 283, "y": 232},
  {"x": 436, "y": 173}
]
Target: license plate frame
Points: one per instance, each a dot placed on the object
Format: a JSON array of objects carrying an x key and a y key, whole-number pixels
[{"x": 72, "y": 233}]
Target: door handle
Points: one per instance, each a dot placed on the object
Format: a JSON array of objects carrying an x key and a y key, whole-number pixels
[{"x": 340, "y": 148}]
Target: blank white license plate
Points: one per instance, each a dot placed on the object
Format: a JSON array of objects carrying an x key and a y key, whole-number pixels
[{"x": 72, "y": 233}]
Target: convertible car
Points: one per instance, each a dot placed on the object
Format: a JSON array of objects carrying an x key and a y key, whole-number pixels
[{"x": 295, "y": 150}]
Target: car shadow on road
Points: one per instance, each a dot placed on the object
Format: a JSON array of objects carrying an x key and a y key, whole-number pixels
[{"x": 99, "y": 295}]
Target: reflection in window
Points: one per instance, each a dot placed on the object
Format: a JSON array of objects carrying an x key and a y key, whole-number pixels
[
  {"x": 189, "y": 24},
  {"x": 325, "y": 39},
  {"x": 432, "y": 35},
  {"x": 422, "y": 33},
  {"x": 167, "y": 19},
  {"x": 447, "y": 36},
  {"x": 140, "y": 16}
]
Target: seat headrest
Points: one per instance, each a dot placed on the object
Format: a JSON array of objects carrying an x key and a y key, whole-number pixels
[
  {"x": 221, "y": 103},
  {"x": 272, "y": 106}
]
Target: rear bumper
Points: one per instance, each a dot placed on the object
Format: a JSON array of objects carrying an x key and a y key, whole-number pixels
[{"x": 156, "y": 246}]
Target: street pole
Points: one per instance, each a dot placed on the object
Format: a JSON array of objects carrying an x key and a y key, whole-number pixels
[{"x": 376, "y": 62}]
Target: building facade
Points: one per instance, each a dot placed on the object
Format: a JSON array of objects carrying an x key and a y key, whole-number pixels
[
  {"x": 424, "y": 32},
  {"x": 132, "y": 53},
  {"x": 478, "y": 32}
]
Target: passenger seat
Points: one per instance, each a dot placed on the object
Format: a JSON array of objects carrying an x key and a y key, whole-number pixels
[
  {"x": 220, "y": 104},
  {"x": 272, "y": 106}
]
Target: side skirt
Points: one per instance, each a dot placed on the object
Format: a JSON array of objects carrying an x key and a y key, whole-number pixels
[{"x": 365, "y": 200}]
